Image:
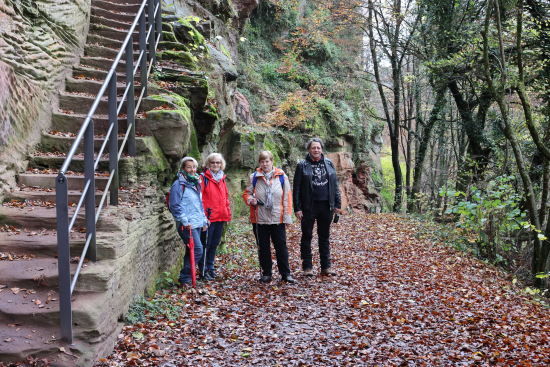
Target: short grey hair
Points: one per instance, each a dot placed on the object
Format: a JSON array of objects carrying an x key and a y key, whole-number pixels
[
  {"x": 212, "y": 156},
  {"x": 187, "y": 159},
  {"x": 315, "y": 140}
]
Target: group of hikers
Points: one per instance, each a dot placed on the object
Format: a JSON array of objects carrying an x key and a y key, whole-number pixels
[{"x": 200, "y": 206}]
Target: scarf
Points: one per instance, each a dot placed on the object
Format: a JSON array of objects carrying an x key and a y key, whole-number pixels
[
  {"x": 217, "y": 176},
  {"x": 268, "y": 190},
  {"x": 192, "y": 179}
]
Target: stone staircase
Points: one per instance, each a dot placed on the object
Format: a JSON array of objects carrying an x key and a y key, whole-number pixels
[{"x": 29, "y": 309}]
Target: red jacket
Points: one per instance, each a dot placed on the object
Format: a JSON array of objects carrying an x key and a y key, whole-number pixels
[{"x": 216, "y": 197}]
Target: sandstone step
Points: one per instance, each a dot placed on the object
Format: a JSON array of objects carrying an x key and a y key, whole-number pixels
[
  {"x": 134, "y": 2},
  {"x": 40, "y": 217},
  {"x": 100, "y": 12},
  {"x": 47, "y": 181},
  {"x": 28, "y": 340},
  {"x": 43, "y": 195},
  {"x": 113, "y": 23},
  {"x": 103, "y": 64},
  {"x": 82, "y": 103},
  {"x": 63, "y": 144},
  {"x": 99, "y": 74},
  {"x": 94, "y": 277},
  {"x": 76, "y": 165},
  {"x": 113, "y": 33},
  {"x": 72, "y": 122},
  {"x": 116, "y": 7},
  {"x": 93, "y": 86},
  {"x": 43, "y": 244},
  {"x": 94, "y": 50},
  {"x": 108, "y": 42}
]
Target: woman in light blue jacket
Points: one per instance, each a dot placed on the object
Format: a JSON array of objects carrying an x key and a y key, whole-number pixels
[{"x": 186, "y": 207}]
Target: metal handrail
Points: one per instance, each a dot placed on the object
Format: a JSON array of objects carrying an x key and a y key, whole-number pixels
[
  {"x": 241, "y": 114},
  {"x": 86, "y": 133}
]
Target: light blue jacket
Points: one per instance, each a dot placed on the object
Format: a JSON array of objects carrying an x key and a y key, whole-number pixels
[{"x": 186, "y": 208}]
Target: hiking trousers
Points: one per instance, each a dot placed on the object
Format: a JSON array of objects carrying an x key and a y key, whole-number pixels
[
  {"x": 185, "y": 273},
  {"x": 276, "y": 233},
  {"x": 323, "y": 215}
]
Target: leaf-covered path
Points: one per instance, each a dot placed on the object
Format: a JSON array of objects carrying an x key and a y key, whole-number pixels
[{"x": 398, "y": 300}]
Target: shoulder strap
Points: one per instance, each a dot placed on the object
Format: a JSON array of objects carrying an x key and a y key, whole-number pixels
[
  {"x": 254, "y": 180},
  {"x": 282, "y": 180},
  {"x": 205, "y": 179}
]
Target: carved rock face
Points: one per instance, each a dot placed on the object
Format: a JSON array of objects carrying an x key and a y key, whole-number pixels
[
  {"x": 356, "y": 191},
  {"x": 244, "y": 7}
]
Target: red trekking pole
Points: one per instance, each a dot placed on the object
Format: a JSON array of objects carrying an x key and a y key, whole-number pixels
[{"x": 192, "y": 255}]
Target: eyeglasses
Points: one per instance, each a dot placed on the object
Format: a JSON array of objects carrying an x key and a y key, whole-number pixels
[{"x": 215, "y": 162}]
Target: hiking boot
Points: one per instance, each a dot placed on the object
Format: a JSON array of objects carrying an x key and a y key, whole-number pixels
[
  {"x": 328, "y": 271},
  {"x": 206, "y": 277},
  {"x": 212, "y": 273},
  {"x": 288, "y": 279},
  {"x": 308, "y": 272},
  {"x": 183, "y": 285},
  {"x": 266, "y": 279}
]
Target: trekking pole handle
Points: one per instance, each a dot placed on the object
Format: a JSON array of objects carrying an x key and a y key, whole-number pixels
[{"x": 209, "y": 212}]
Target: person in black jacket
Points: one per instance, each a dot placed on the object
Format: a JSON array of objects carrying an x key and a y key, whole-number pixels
[{"x": 316, "y": 197}]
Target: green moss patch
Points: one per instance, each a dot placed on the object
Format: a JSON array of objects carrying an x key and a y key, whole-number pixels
[{"x": 183, "y": 58}]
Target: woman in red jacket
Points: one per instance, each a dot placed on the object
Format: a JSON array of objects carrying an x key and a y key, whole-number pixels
[{"x": 215, "y": 199}]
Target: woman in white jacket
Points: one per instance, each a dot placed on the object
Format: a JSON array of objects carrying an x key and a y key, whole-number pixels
[{"x": 269, "y": 197}]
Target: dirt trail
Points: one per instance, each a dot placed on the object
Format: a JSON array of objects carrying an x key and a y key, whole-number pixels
[{"x": 398, "y": 300}]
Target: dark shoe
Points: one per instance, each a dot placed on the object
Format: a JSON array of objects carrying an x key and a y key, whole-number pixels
[
  {"x": 212, "y": 273},
  {"x": 308, "y": 272},
  {"x": 288, "y": 279},
  {"x": 266, "y": 279},
  {"x": 328, "y": 271},
  {"x": 206, "y": 277}
]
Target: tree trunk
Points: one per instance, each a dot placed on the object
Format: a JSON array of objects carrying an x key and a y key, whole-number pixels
[{"x": 420, "y": 154}]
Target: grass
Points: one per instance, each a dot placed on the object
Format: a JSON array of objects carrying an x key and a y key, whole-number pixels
[{"x": 388, "y": 188}]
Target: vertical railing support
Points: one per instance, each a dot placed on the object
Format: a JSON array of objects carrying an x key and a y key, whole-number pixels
[
  {"x": 143, "y": 50},
  {"x": 113, "y": 140},
  {"x": 130, "y": 101},
  {"x": 247, "y": 117},
  {"x": 89, "y": 199},
  {"x": 158, "y": 20},
  {"x": 151, "y": 26},
  {"x": 64, "y": 258}
]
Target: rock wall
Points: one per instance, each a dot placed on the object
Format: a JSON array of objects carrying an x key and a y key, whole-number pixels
[{"x": 39, "y": 43}]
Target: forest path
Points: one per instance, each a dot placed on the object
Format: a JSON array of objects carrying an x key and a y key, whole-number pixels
[{"x": 398, "y": 300}]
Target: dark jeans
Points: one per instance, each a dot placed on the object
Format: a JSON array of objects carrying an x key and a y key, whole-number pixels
[
  {"x": 214, "y": 236},
  {"x": 276, "y": 233},
  {"x": 322, "y": 213},
  {"x": 185, "y": 273}
]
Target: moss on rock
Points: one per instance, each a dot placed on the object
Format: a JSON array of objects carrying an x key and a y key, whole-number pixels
[
  {"x": 183, "y": 58},
  {"x": 195, "y": 153}
]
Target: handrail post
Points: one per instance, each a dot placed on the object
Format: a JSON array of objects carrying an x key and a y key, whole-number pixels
[
  {"x": 143, "y": 50},
  {"x": 89, "y": 200},
  {"x": 130, "y": 101},
  {"x": 158, "y": 19},
  {"x": 113, "y": 140},
  {"x": 64, "y": 258},
  {"x": 151, "y": 40}
]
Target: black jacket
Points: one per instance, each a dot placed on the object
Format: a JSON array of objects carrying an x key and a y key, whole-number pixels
[{"x": 302, "y": 188}]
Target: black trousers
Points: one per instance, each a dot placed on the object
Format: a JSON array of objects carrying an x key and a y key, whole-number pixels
[
  {"x": 265, "y": 233},
  {"x": 322, "y": 213}
]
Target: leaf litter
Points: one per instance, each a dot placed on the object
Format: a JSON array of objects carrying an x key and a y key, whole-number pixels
[{"x": 398, "y": 300}]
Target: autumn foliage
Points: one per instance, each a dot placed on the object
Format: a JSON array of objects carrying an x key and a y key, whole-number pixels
[{"x": 399, "y": 299}]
